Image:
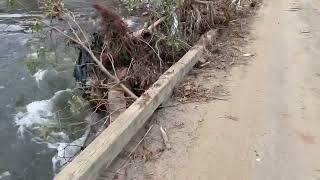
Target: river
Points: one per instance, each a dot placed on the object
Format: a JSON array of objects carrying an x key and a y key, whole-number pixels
[{"x": 31, "y": 96}]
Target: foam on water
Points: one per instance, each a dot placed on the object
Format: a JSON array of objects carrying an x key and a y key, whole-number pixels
[
  {"x": 37, "y": 113},
  {"x": 15, "y": 15},
  {"x": 40, "y": 75},
  {"x": 67, "y": 151},
  {"x": 10, "y": 28},
  {"x": 4, "y": 174},
  {"x": 42, "y": 112},
  {"x": 46, "y": 76}
]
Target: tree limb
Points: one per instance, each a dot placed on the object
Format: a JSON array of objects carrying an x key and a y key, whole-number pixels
[{"x": 99, "y": 63}]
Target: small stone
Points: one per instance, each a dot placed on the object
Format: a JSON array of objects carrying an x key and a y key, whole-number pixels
[
  {"x": 145, "y": 13},
  {"x": 248, "y": 55},
  {"x": 305, "y": 31},
  {"x": 188, "y": 87}
]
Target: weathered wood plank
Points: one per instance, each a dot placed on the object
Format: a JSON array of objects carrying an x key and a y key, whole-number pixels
[{"x": 102, "y": 151}]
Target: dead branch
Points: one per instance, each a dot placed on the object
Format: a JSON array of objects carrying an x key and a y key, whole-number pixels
[
  {"x": 95, "y": 59},
  {"x": 103, "y": 69},
  {"x": 150, "y": 28},
  {"x": 155, "y": 24}
]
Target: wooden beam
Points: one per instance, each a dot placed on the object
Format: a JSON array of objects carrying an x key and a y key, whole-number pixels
[{"x": 106, "y": 147}]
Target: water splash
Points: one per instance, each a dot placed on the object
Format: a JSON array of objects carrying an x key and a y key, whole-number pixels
[
  {"x": 40, "y": 75},
  {"x": 5, "y": 174},
  {"x": 38, "y": 113},
  {"x": 67, "y": 151}
]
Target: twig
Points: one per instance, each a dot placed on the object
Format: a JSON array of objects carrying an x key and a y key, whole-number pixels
[
  {"x": 112, "y": 64},
  {"x": 189, "y": 102},
  {"x": 104, "y": 47},
  {"x": 155, "y": 24},
  {"x": 203, "y": 2},
  {"x": 158, "y": 53},
  {"x": 205, "y": 64},
  {"x": 135, "y": 148},
  {"x": 128, "y": 70},
  {"x": 232, "y": 62},
  {"x": 165, "y": 138},
  {"x": 150, "y": 28},
  {"x": 70, "y": 14}
]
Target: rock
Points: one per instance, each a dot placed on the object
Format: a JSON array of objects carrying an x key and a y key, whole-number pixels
[
  {"x": 187, "y": 87},
  {"x": 248, "y": 55},
  {"x": 145, "y": 13}
]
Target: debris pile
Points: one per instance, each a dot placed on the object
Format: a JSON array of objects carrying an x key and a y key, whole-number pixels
[{"x": 117, "y": 65}]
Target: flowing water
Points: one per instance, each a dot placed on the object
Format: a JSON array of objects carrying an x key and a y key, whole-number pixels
[{"x": 36, "y": 83}]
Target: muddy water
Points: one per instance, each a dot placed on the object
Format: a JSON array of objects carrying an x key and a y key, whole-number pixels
[{"x": 30, "y": 97}]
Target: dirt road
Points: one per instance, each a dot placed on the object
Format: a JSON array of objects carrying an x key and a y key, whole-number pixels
[
  {"x": 275, "y": 104},
  {"x": 269, "y": 128}
]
